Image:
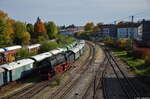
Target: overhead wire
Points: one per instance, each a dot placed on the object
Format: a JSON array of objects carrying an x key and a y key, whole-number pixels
[{"x": 136, "y": 14}]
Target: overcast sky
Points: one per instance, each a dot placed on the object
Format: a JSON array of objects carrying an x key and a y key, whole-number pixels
[{"x": 76, "y": 12}]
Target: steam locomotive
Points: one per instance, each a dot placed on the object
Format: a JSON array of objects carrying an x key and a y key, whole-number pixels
[{"x": 48, "y": 64}]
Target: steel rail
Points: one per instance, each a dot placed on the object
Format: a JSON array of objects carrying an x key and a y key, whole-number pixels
[
  {"x": 129, "y": 82},
  {"x": 93, "y": 82},
  {"x": 30, "y": 91},
  {"x": 88, "y": 62}
]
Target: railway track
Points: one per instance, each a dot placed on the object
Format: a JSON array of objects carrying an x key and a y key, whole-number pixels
[
  {"x": 128, "y": 88},
  {"x": 32, "y": 90},
  {"x": 97, "y": 81},
  {"x": 69, "y": 85},
  {"x": 98, "y": 84},
  {"x": 28, "y": 92}
]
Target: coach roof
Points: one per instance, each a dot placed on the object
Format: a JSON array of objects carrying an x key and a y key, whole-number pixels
[
  {"x": 17, "y": 64},
  {"x": 42, "y": 56},
  {"x": 2, "y": 50},
  {"x": 12, "y": 48},
  {"x": 33, "y": 46}
]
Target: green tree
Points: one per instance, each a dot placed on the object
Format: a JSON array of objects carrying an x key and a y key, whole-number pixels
[
  {"x": 89, "y": 26},
  {"x": 30, "y": 29},
  {"x": 51, "y": 29},
  {"x": 47, "y": 46},
  {"x": 63, "y": 40},
  {"x": 41, "y": 39},
  {"x": 24, "y": 53},
  {"x": 21, "y": 35}
]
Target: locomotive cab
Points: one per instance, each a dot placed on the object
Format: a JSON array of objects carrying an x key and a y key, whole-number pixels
[{"x": 45, "y": 70}]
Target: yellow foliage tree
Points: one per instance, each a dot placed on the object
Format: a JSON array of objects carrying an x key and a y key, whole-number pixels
[
  {"x": 3, "y": 15},
  {"x": 26, "y": 38}
]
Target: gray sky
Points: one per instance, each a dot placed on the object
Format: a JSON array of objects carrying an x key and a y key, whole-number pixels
[{"x": 76, "y": 12}]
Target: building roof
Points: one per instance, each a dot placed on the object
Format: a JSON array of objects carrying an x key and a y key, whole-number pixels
[
  {"x": 128, "y": 24},
  {"x": 107, "y": 25}
]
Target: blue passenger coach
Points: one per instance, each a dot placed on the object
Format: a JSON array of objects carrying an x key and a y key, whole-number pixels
[{"x": 16, "y": 70}]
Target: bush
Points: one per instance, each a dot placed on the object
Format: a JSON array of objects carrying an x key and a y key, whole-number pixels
[
  {"x": 47, "y": 46},
  {"x": 137, "y": 53},
  {"x": 143, "y": 53},
  {"x": 77, "y": 33},
  {"x": 147, "y": 57},
  {"x": 41, "y": 39},
  {"x": 24, "y": 53},
  {"x": 63, "y": 40},
  {"x": 108, "y": 41},
  {"x": 125, "y": 44},
  {"x": 147, "y": 60}
]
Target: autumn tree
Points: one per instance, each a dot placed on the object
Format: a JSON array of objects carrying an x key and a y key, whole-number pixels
[
  {"x": 89, "y": 26},
  {"x": 39, "y": 29},
  {"x": 21, "y": 35},
  {"x": 3, "y": 15},
  {"x": 8, "y": 31},
  {"x": 3, "y": 29},
  {"x": 96, "y": 29},
  {"x": 99, "y": 26},
  {"x": 51, "y": 29}
]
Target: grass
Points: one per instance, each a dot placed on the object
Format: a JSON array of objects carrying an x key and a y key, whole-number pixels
[{"x": 138, "y": 66}]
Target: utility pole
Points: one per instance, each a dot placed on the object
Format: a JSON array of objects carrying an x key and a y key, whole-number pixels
[
  {"x": 115, "y": 22},
  {"x": 132, "y": 36},
  {"x": 132, "y": 19}
]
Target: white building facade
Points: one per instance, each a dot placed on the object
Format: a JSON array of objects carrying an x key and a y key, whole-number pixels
[
  {"x": 140, "y": 32},
  {"x": 127, "y": 32}
]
